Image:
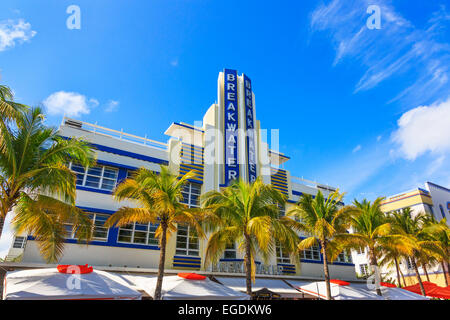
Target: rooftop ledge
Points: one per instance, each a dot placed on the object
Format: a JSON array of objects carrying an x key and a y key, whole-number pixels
[{"x": 96, "y": 129}]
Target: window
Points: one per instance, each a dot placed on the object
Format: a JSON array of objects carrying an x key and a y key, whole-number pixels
[
  {"x": 361, "y": 250},
  {"x": 19, "y": 242},
  {"x": 98, "y": 177},
  {"x": 364, "y": 269},
  {"x": 187, "y": 241},
  {"x": 282, "y": 257},
  {"x": 282, "y": 210},
  {"x": 312, "y": 253},
  {"x": 230, "y": 251},
  {"x": 409, "y": 264},
  {"x": 70, "y": 232},
  {"x": 130, "y": 173},
  {"x": 442, "y": 210},
  {"x": 345, "y": 257},
  {"x": 99, "y": 232},
  {"x": 138, "y": 233},
  {"x": 191, "y": 194}
]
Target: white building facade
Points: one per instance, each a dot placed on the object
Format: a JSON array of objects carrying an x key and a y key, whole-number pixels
[
  {"x": 434, "y": 200},
  {"x": 227, "y": 144}
]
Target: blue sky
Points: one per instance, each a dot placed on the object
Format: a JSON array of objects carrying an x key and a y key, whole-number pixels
[{"x": 365, "y": 110}]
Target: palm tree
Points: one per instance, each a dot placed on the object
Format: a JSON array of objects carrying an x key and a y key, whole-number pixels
[
  {"x": 371, "y": 229},
  {"x": 157, "y": 196},
  {"x": 9, "y": 109},
  {"x": 36, "y": 182},
  {"x": 390, "y": 257},
  {"x": 412, "y": 227},
  {"x": 247, "y": 214},
  {"x": 322, "y": 219}
]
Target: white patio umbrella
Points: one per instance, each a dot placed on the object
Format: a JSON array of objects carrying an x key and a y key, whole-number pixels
[
  {"x": 179, "y": 288},
  {"x": 339, "y": 292},
  {"x": 50, "y": 284}
]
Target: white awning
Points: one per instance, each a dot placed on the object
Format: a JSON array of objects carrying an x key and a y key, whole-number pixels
[
  {"x": 339, "y": 292},
  {"x": 275, "y": 285},
  {"x": 49, "y": 284},
  {"x": 177, "y": 288}
]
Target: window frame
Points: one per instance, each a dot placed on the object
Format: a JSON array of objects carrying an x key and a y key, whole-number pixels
[
  {"x": 364, "y": 269},
  {"x": 344, "y": 257},
  {"x": 95, "y": 215},
  {"x": 147, "y": 236},
  {"x": 231, "y": 248},
  {"x": 313, "y": 249},
  {"x": 22, "y": 244},
  {"x": 102, "y": 177},
  {"x": 189, "y": 189},
  {"x": 92, "y": 215},
  {"x": 282, "y": 258},
  {"x": 187, "y": 250}
]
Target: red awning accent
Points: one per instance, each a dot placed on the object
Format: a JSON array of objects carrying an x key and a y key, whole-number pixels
[
  {"x": 77, "y": 269},
  {"x": 191, "y": 276},
  {"x": 387, "y": 284},
  {"x": 340, "y": 282},
  {"x": 431, "y": 290}
]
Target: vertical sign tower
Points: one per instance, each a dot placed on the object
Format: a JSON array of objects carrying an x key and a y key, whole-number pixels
[
  {"x": 250, "y": 129},
  {"x": 231, "y": 126},
  {"x": 239, "y": 136}
]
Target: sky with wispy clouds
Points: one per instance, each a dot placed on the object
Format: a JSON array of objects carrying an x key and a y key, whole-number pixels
[{"x": 364, "y": 109}]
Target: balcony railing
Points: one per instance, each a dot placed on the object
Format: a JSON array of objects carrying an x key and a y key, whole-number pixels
[{"x": 113, "y": 133}]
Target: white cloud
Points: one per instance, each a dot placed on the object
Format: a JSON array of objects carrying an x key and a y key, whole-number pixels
[
  {"x": 357, "y": 148},
  {"x": 424, "y": 129},
  {"x": 398, "y": 47},
  {"x": 14, "y": 31},
  {"x": 112, "y": 106},
  {"x": 379, "y": 138},
  {"x": 174, "y": 63},
  {"x": 70, "y": 103}
]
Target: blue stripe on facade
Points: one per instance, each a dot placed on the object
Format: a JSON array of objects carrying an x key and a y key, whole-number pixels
[
  {"x": 177, "y": 265},
  {"x": 96, "y": 210},
  {"x": 283, "y": 186},
  {"x": 130, "y": 154},
  {"x": 186, "y": 126},
  {"x": 188, "y": 257},
  {"x": 93, "y": 190},
  {"x": 115, "y": 164},
  {"x": 126, "y": 153}
]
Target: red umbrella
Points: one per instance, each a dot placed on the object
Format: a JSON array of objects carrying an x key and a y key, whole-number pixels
[
  {"x": 387, "y": 284},
  {"x": 340, "y": 282},
  {"x": 431, "y": 290}
]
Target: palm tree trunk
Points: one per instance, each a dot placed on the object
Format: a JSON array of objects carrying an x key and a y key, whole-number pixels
[
  {"x": 162, "y": 260},
  {"x": 403, "y": 277},
  {"x": 374, "y": 264},
  {"x": 445, "y": 272},
  {"x": 248, "y": 265},
  {"x": 2, "y": 222},
  {"x": 422, "y": 289},
  {"x": 325, "y": 269},
  {"x": 426, "y": 272},
  {"x": 398, "y": 272}
]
